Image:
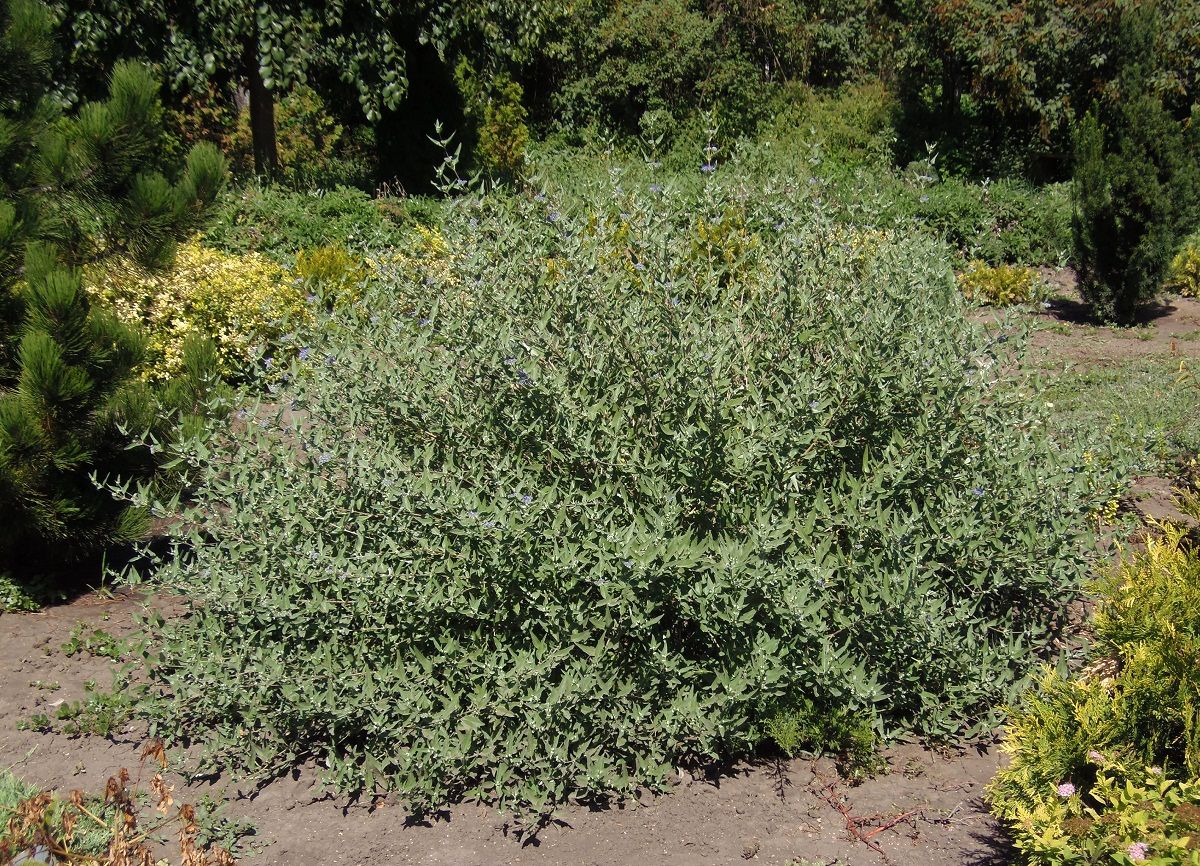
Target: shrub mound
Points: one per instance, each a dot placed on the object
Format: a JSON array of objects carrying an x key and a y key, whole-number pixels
[
  {"x": 1109, "y": 762},
  {"x": 612, "y": 487},
  {"x": 240, "y": 302},
  {"x": 999, "y": 286},
  {"x": 1184, "y": 274}
]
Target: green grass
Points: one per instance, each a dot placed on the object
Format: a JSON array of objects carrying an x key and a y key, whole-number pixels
[{"x": 1140, "y": 414}]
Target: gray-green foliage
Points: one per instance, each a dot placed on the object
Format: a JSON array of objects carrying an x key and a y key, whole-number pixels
[{"x": 605, "y": 489}]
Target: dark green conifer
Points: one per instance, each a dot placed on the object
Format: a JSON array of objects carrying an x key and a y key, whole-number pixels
[
  {"x": 73, "y": 190},
  {"x": 1136, "y": 186}
]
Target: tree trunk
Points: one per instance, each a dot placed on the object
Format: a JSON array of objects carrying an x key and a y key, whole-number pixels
[{"x": 262, "y": 116}]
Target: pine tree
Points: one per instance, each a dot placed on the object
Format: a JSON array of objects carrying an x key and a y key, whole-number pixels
[{"x": 74, "y": 189}]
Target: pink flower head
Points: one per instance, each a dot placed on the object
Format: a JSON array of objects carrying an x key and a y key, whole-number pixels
[
  {"x": 1137, "y": 851},
  {"x": 1095, "y": 757},
  {"x": 1066, "y": 789}
]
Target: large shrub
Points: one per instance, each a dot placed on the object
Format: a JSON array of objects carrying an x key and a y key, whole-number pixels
[
  {"x": 605, "y": 487},
  {"x": 1127, "y": 213},
  {"x": 1136, "y": 184}
]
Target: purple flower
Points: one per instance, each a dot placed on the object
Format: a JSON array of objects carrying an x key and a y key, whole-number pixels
[
  {"x": 1066, "y": 789},
  {"x": 977, "y": 491},
  {"x": 526, "y": 499},
  {"x": 1137, "y": 851},
  {"x": 523, "y": 378},
  {"x": 1095, "y": 757},
  {"x": 639, "y": 266},
  {"x": 324, "y": 458},
  {"x": 269, "y": 362},
  {"x": 304, "y": 353},
  {"x": 425, "y": 323},
  {"x": 708, "y": 168},
  {"x": 554, "y": 216},
  {"x": 656, "y": 187},
  {"x": 312, "y": 299}
]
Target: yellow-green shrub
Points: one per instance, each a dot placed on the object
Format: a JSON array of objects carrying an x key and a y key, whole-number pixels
[
  {"x": 428, "y": 261},
  {"x": 239, "y": 301},
  {"x": 1143, "y": 818},
  {"x": 1081, "y": 746},
  {"x": 1184, "y": 274},
  {"x": 998, "y": 286},
  {"x": 334, "y": 273}
]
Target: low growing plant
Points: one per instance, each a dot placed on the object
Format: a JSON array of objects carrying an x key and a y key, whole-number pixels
[
  {"x": 333, "y": 273},
  {"x": 1110, "y": 760},
  {"x": 1184, "y": 274},
  {"x": 1146, "y": 818},
  {"x": 241, "y": 302},
  {"x": 127, "y": 823},
  {"x": 999, "y": 286},
  {"x": 278, "y": 223}
]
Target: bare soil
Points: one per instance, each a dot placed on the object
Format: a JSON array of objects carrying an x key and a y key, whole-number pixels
[{"x": 927, "y": 810}]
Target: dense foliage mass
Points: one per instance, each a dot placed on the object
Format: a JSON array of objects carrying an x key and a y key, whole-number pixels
[
  {"x": 1110, "y": 759},
  {"x": 237, "y": 302},
  {"x": 601, "y": 483},
  {"x": 1137, "y": 183}
]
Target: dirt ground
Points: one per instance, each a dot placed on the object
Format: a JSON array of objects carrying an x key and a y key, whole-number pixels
[
  {"x": 1169, "y": 328},
  {"x": 926, "y": 811}
]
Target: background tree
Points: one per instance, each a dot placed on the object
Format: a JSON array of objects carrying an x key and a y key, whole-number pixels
[
  {"x": 74, "y": 189},
  {"x": 268, "y": 47},
  {"x": 1000, "y": 83}
]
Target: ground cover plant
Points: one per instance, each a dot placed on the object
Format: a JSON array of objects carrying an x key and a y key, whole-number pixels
[
  {"x": 1184, "y": 274},
  {"x": 126, "y": 824},
  {"x": 598, "y": 484}
]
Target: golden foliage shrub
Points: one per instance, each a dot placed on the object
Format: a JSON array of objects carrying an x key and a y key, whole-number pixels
[
  {"x": 239, "y": 301},
  {"x": 334, "y": 273},
  {"x": 1106, "y": 764},
  {"x": 1184, "y": 274},
  {"x": 998, "y": 286}
]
